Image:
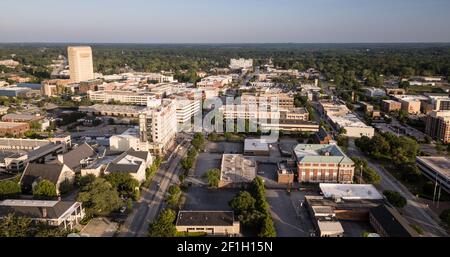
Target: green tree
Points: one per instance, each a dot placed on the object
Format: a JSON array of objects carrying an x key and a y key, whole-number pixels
[
  {"x": 198, "y": 141},
  {"x": 65, "y": 187},
  {"x": 44, "y": 190},
  {"x": 124, "y": 183},
  {"x": 164, "y": 225},
  {"x": 267, "y": 228},
  {"x": 395, "y": 198},
  {"x": 99, "y": 198},
  {"x": 9, "y": 189},
  {"x": 213, "y": 177},
  {"x": 174, "y": 196},
  {"x": 14, "y": 226},
  {"x": 243, "y": 202}
]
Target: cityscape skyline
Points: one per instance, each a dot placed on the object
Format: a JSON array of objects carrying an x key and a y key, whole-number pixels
[{"x": 268, "y": 21}]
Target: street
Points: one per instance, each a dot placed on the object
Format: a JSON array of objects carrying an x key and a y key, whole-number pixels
[
  {"x": 415, "y": 211},
  {"x": 152, "y": 199}
]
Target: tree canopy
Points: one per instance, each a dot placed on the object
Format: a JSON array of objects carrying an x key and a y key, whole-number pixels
[
  {"x": 99, "y": 198},
  {"x": 44, "y": 190}
]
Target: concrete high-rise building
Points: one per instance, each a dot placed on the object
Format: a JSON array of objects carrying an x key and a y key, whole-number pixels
[
  {"x": 438, "y": 125},
  {"x": 158, "y": 126},
  {"x": 80, "y": 63}
]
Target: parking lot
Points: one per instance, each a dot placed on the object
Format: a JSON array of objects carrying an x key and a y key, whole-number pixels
[
  {"x": 202, "y": 198},
  {"x": 224, "y": 147},
  {"x": 99, "y": 227},
  {"x": 291, "y": 220},
  {"x": 205, "y": 162}
]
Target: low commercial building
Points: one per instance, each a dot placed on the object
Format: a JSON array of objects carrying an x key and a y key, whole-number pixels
[
  {"x": 352, "y": 125},
  {"x": 437, "y": 169},
  {"x": 237, "y": 171},
  {"x": 214, "y": 223},
  {"x": 13, "y": 91},
  {"x": 12, "y": 117},
  {"x": 438, "y": 125},
  {"x": 256, "y": 147},
  {"x": 131, "y": 111},
  {"x": 66, "y": 214},
  {"x": 389, "y": 106},
  {"x": 412, "y": 106},
  {"x": 332, "y": 108},
  {"x": 388, "y": 222},
  {"x": 218, "y": 81},
  {"x": 350, "y": 191},
  {"x": 285, "y": 175},
  {"x": 13, "y": 128},
  {"x": 323, "y": 163},
  {"x": 324, "y": 218}
]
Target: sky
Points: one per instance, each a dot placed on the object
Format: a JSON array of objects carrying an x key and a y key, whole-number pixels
[{"x": 225, "y": 21}]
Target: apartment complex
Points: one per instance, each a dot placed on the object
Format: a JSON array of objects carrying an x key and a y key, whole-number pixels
[
  {"x": 80, "y": 63},
  {"x": 323, "y": 163},
  {"x": 158, "y": 126},
  {"x": 438, "y": 125}
]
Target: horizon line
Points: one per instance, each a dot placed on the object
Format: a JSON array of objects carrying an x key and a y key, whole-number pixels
[{"x": 222, "y": 43}]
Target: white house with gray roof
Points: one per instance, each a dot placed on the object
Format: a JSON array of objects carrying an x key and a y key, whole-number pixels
[{"x": 323, "y": 164}]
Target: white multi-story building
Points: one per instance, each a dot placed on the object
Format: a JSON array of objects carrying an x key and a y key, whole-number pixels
[
  {"x": 353, "y": 126},
  {"x": 236, "y": 64},
  {"x": 80, "y": 63},
  {"x": 130, "y": 97},
  {"x": 158, "y": 126},
  {"x": 187, "y": 109}
]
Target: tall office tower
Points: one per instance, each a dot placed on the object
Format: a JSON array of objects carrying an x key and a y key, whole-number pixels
[{"x": 80, "y": 63}]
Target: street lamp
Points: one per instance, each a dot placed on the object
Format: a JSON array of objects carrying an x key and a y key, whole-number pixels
[{"x": 360, "y": 176}]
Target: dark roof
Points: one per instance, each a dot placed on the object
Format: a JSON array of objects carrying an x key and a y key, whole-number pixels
[
  {"x": 35, "y": 210},
  {"x": 322, "y": 134},
  {"x": 205, "y": 218},
  {"x": 125, "y": 168},
  {"x": 72, "y": 159},
  {"x": 392, "y": 222},
  {"x": 34, "y": 171},
  {"x": 138, "y": 154}
]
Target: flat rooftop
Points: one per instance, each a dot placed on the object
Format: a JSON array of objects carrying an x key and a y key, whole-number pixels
[
  {"x": 112, "y": 108},
  {"x": 205, "y": 218},
  {"x": 350, "y": 191},
  {"x": 437, "y": 163},
  {"x": 7, "y": 125},
  {"x": 237, "y": 169},
  {"x": 256, "y": 145}
]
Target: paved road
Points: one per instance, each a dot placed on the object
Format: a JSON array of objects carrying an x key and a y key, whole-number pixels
[
  {"x": 415, "y": 211},
  {"x": 152, "y": 199}
]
